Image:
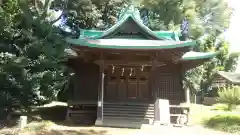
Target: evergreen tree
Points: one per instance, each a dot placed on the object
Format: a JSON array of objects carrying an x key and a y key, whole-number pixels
[{"x": 31, "y": 51}]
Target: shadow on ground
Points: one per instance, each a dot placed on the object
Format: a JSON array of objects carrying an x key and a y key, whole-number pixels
[
  {"x": 54, "y": 113},
  {"x": 74, "y": 132}
]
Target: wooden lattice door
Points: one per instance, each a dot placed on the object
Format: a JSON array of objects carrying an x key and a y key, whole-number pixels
[
  {"x": 127, "y": 83},
  {"x": 138, "y": 87},
  {"x": 111, "y": 90},
  {"x": 143, "y": 84},
  {"x": 132, "y": 91}
]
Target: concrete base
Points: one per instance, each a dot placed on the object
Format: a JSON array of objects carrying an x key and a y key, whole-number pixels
[
  {"x": 150, "y": 127},
  {"x": 147, "y": 126},
  {"x": 99, "y": 122},
  {"x": 156, "y": 123},
  {"x": 124, "y": 123}
]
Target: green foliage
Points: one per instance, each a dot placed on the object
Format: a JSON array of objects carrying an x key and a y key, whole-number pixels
[
  {"x": 220, "y": 63},
  {"x": 226, "y": 123},
  {"x": 200, "y": 79},
  {"x": 90, "y": 14},
  {"x": 192, "y": 80},
  {"x": 31, "y": 51},
  {"x": 229, "y": 95},
  {"x": 165, "y": 11},
  {"x": 31, "y": 48},
  {"x": 204, "y": 16}
]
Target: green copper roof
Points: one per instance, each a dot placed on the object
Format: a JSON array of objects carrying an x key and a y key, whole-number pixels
[
  {"x": 159, "y": 39},
  {"x": 130, "y": 13},
  {"x": 193, "y": 59},
  {"x": 198, "y": 55},
  {"x": 91, "y": 33},
  {"x": 96, "y": 34},
  {"x": 130, "y": 43}
]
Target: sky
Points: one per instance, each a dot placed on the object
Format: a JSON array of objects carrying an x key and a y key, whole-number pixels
[
  {"x": 232, "y": 34},
  {"x": 234, "y": 28}
]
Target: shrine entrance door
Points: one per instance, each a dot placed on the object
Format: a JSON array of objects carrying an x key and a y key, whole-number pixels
[{"x": 127, "y": 84}]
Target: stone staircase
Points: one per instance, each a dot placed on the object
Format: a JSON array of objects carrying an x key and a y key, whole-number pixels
[{"x": 127, "y": 114}]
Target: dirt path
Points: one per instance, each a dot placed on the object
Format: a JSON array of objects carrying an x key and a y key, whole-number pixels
[
  {"x": 157, "y": 130},
  {"x": 164, "y": 130},
  {"x": 191, "y": 130}
]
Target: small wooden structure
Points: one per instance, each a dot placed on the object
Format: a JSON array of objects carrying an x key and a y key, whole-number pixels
[
  {"x": 122, "y": 72},
  {"x": 223, "y": 78}
]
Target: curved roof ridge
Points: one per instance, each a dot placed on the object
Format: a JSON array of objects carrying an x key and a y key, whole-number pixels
[
  {"x": 130, "y": 12},
  {"x": 134, "y": 14}
]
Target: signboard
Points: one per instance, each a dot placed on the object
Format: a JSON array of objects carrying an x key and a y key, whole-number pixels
[{"x": 164, "y": 111}]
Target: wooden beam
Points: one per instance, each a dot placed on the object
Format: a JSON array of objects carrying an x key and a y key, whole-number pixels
[
  {"x": 133, "y": 63},
  {"x": 126, "y": 56}
]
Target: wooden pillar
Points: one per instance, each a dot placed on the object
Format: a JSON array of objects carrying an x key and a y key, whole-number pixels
[
  {"x": 161, "y": 106},
  {"x": 99, "y": 120},
  {"x": 187, "y": 95},
  {"x": 155, "y": 92},
  {"x": 186, "y": 91}
]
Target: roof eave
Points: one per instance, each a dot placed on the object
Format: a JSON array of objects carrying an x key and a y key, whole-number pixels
[
  {"x": 206, "y": 56},
  {"x": 82, "y": 42}
]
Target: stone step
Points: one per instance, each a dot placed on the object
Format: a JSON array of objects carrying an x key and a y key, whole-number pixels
[
  {"x": 150, "y": 112},
  {"x": 128, "y": 115},
  {"x": 128, "y": 104},
  {"x": 129, "y": 109},
  {"x": 124, "y": 123}
]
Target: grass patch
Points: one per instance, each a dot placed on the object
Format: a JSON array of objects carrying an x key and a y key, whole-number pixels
[
  {"x": 220, "y": 107},
  {"x": 200, "y": 113},
  {"x": 38, "y": 126},
  {"x": 224, "y": 122}
]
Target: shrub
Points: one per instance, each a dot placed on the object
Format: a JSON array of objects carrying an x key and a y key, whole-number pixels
[
  {"x": 226, "y": 123},
  {"x": 230, "y": 96}
]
